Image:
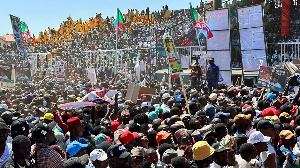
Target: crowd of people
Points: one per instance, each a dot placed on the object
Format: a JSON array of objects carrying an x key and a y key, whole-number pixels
[
  {"x": 235, "y": 127},
  {"x": 178, "y": 127}
]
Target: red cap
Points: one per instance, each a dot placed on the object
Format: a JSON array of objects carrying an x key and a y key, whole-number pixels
[
  {"x": 110, "y": 87},
  {"x": 268, "y": 112},
  {"x": 144, "y": 97},
  {"x": 245, "y": 106},
  {"x": 126, "y": 137},
  {"x": 114, "y": 126},
  {"x": 236, "y": 89},
  {"x": 73, "y": 122}
]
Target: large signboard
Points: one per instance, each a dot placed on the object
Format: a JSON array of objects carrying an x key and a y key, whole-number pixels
[
  {"x": 272, "y": 78},
  {"x": 217, "y": 19},
  {"x": 7, "y": 75},
  {"x": 252, "y": 38},
  {"x": 23, "y": 73}
]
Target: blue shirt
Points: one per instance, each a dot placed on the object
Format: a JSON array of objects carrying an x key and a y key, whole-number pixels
[{"x": 217, "y": 70}]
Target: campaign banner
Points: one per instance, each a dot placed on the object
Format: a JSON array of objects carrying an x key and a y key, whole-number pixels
[
  {"x": 23, "y": 73},
  {"x": 17, "y": 31},
  {"x": 7, "y": 75},
  {"x": 272, "y": 78},
  {"x": 33, "y": 63},
  {"x": 92, "y": 75},
  {"x": 172, "y": 55},
  {"x": 59, "y": 71}
]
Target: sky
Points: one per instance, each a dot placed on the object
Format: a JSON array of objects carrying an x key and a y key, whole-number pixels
[{"x": 41, "y": 14}]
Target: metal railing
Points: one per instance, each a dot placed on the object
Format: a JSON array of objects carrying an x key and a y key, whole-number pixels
[{"x": 278, "y": 53}]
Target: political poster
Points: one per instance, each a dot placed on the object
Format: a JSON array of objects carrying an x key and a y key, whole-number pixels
[
  {"x": 272, "y": 78},
  {"x": 23, "y": 73},
  {"x": 59, "y": 71},
  {"x": 92, "y": 75},
  {"x": 33, "y": 61},
  {"x": 172, "y": 55},
  {"x": 7, "y": 75}
]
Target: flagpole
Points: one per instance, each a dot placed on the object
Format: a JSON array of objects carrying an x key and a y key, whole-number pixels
[
  {"x": 198, "y": 38},
  {"x": 116, "y": 41}
]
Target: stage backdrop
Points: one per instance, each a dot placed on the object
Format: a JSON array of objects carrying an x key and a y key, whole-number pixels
[
  {"x": 252, "y": 38},
  {"x": 218, "y": 47}
]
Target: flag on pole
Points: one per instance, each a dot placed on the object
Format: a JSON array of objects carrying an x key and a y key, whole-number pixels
[
  {"x": 25, "y": 31},
  {"x": 17, "y": 31},
  {"x": 119, "y": 21},
  {"x": 199, "y": 24}
]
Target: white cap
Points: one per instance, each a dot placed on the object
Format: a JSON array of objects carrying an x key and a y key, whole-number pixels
[
  {"x": 163, "y": 91},
  {"x": 165, "y": 96},
  {"x": 4, "y": 106},
  {"x": 257, "y": 136},
  {"x": 145, "y": 104},
  {"x": 98, "y": 154}
]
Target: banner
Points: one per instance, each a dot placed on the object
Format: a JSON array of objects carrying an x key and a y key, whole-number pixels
[
  {"x": 59, "y": 71},
  {"x": 92, "y": 75},
  {"x": 252, "y": 38},
  {"x": 285, "y": 17},
  {"x": 7, "y": 75},
  {"x": 33, "y": 61},
  {"x": 272, "y": 78},
  {"x": 172, "y": 54},
  {"x": 23, "y": 73},
  {"x": 17, "y": 31}
]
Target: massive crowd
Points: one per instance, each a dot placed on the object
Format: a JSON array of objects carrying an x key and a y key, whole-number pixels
[{"x": 234, "y": 126}]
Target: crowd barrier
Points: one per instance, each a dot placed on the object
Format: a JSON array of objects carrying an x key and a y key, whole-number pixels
[{"x": 278, "y": 53}]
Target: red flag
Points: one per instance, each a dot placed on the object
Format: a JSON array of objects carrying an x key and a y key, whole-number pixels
[
  {"x": 285, "y": 17},
  {"x": 203, "y": 28}
]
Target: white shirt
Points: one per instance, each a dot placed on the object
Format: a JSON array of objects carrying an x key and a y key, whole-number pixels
[
  {"x": 264, "y": 155},
  {"x": 214, "y": 165},
  {"x": 241, "y": 163}
]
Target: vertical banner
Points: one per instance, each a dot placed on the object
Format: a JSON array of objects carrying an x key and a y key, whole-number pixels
[
  {"x": 59, "y": 71},
  {"x": 33, "y": 61},
  {"x": 172, "y": 55},
  {"x": 17, "y": 31},
  {"x": 92, "y": 75},
  {"x": 6, "y": 76},
  {"x": 285, "y": 17}
]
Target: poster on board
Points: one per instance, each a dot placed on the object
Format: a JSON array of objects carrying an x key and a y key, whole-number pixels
[
  {"x": 222, "y": 58},
  {"x": 23, "y": 73},
  {"x": 92, "y": 75},
  {"x": 220, "y": 41},
  {"x": 272, "y": 78},
  {"x": 225, "y": 77},
  {"x": 253, "y": 59},
  {"x": 59, "y": 71},
  {"x": 7, "y": 75},
  {"x": 172, "y": 55},
  {"x": 217, "y": 19},
  {"x": 250, "y": 17}
]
